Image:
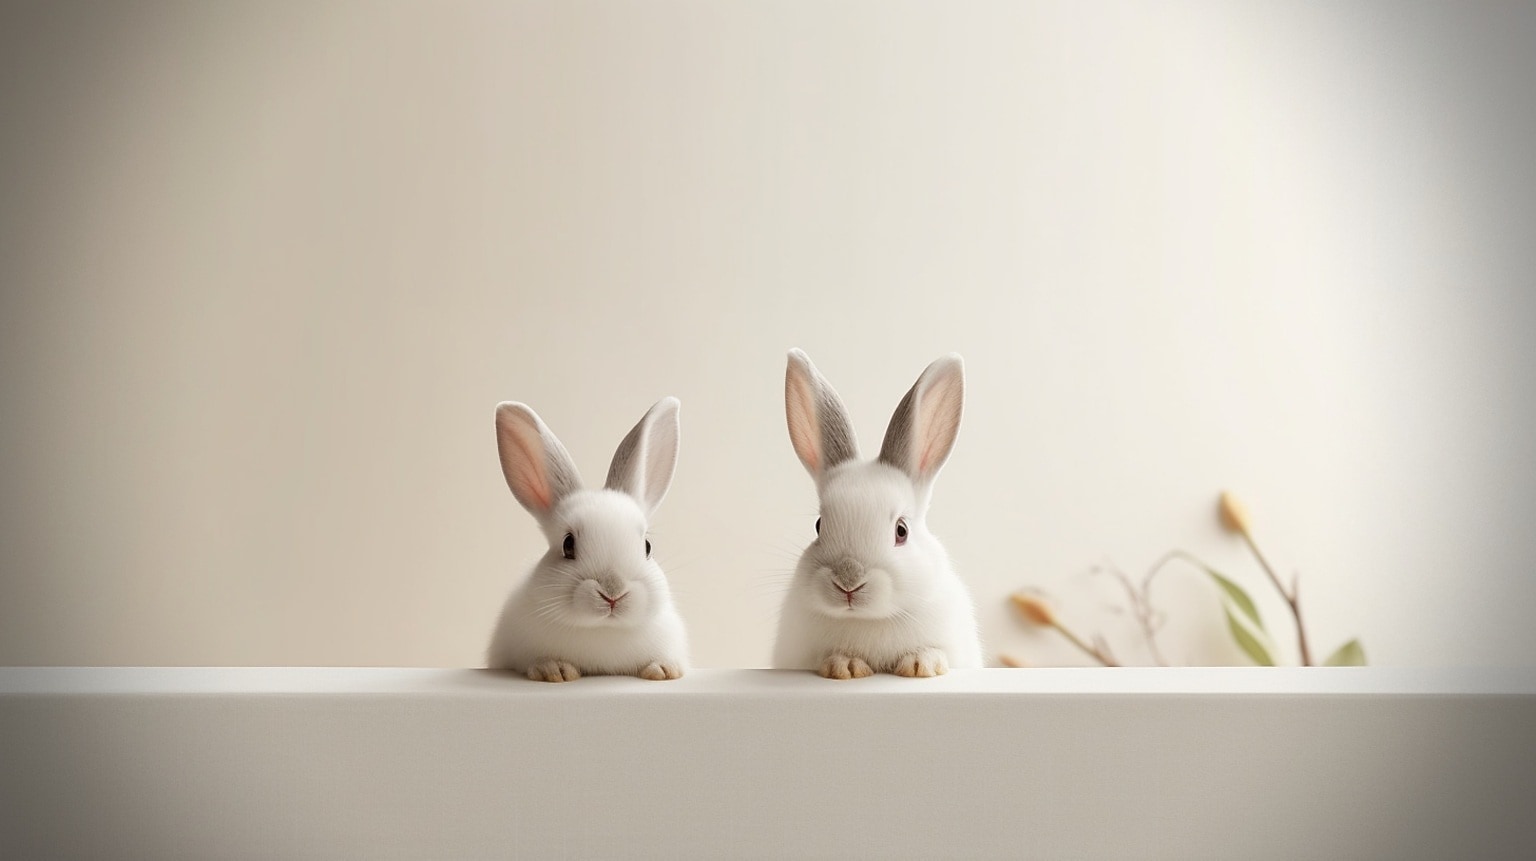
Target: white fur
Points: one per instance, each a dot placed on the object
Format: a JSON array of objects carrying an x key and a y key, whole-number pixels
[
  {"x": 912, "y": 615},
  {"x": 557, "y": 625}
]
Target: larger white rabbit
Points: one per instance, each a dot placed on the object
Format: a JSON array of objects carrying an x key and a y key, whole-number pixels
[
  {"x": 596, "y": 603},
  {"x": 875, "y": 592}
]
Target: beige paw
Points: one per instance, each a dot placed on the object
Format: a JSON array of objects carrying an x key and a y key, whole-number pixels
[
  {"x": 844, "y": 667},
  {"x": 657, "y": 671},
  {"x": 922, "y": 664},
  {"x": 554, "y": 671}
]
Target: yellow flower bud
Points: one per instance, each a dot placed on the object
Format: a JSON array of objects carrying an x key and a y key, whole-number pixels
[
  {"x": 1234, "y": 517},
  {"x": 1034, "y": 609}
]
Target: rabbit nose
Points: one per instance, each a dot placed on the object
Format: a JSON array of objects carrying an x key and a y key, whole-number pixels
[
  {"x": 613, "y": 603},
  {"x": 848, "y": 573}
]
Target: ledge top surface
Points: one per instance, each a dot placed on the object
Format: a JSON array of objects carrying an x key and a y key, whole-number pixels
[{"x": 1090, "y": 681}]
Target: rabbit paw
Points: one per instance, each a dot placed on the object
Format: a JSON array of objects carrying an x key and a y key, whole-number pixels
[
  {"x": 554, "y": 671},
  {"x": 844, "y": 667},
  {"x": 659, "y": 671},
  {"x": 922, "y": 664}
]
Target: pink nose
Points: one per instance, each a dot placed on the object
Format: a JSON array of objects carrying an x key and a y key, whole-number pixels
[
  {"x": 613, "y": 603},
  {"x": 848, "y": 593}
]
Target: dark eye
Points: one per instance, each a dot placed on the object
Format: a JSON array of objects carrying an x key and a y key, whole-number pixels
[
  {"x": 647, "y": 548},
  {"x": 818, "y": 526},
  {"x": 901, "y": 531},
  {"x": 569, "y": 546}
]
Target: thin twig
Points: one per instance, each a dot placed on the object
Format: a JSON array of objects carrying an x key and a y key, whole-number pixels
[
  {"x": 1292, "y": 596},
  {"x": 1141, "y": 608},
  {"x": 1090, "y": 651},
  {"x": 1102, "y": 646}
]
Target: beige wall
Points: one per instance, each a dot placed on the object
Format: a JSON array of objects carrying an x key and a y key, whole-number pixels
[{"x": 267, "y": 268}]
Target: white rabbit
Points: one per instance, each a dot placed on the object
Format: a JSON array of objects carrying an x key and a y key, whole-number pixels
[
  {"x": 874, "y": 592},
  {"x": 596, "y": 603}
]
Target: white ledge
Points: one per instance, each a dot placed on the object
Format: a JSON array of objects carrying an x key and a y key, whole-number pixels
[
  {"x": 1220, "y": 681},
  {"x": 1049, "y": 763}
]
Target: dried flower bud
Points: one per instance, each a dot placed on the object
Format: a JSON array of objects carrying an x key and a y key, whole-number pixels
[
  {"x": 1034, "y": 609},
  {"x": 1234, "y": 517},
  {"x": 1011, "y": 661}
]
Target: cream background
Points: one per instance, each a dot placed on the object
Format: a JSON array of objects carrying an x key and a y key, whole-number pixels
[{"x": 268, "y": 267}]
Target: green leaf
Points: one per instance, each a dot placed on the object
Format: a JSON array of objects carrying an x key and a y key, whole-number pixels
[
  {"x": 1351, "y": 654},
  {"x": 1234, "y": 594},
  {"x": 1251, "y": 642},
  {"x": 1243, "y": 621}
]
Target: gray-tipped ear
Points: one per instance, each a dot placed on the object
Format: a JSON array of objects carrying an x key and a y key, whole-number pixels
[
  {"x": 537, "y": 467},
  {"x": 646, "y": 459},
  {"x": 923, "y": 429},
  {"x": 819, "y": 427}
]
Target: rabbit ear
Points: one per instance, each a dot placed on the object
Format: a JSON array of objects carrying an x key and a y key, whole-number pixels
[
  {"x": 819, "y": 426},
  {"x": 924, "y": 426},
  {"x": 646, "y": 459},
  {"x": 538, "y": 468}
]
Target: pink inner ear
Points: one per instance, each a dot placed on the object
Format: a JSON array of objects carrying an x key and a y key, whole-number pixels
[
  {"x": 526, "y": 470},
  {"x": 939, "y": 410},
  {"x": 804, "y": 435},
  {"x": 926, "y": 460}
]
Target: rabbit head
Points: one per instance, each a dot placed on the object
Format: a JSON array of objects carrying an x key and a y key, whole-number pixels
[
  {"x": 598, "y": 571},
  {"x": 873, "y": 556}
]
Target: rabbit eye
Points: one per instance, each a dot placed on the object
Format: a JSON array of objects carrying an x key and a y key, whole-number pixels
[
  {"x": 818, "y": 526},
  {"x": 901, "y": 531},
  {"x": 647, "y": 548},
  {"x": 569, "y": 547}
]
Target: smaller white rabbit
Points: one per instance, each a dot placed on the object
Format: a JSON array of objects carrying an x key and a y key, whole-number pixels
[
  {"x": 875, "y": 591},
  {"x": 596, "y": 603}
]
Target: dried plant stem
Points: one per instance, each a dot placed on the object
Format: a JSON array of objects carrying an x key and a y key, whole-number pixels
[
  {"x": 1170, "y": 556},
  {"x": 1292, "y": 596},
  {"x": 1141, "y": 607},
  {"x": 1098, "y": 654}
]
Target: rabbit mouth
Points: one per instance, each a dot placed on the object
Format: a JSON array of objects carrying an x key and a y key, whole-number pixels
[
  {"x": 606, "y": 602},
  {"x": 855, "y": 607},
  {"x": 855, "y": 597},
  {"x": 611, "y": 611},
  {"x": 850, "y": 595},
  {"x": 605, "y": 617}
]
